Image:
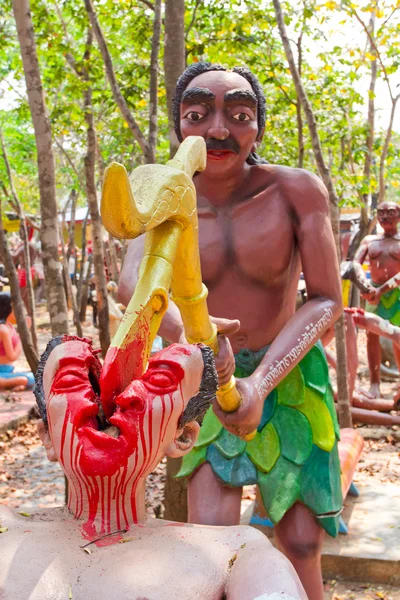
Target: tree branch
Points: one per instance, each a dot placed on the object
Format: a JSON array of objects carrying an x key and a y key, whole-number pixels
[
  {"x": 118, "y": 97},
  {"x": 148, "y": 4},
  {"x": 378, "y": 54},
  {"x": 155, "y": 50},
  {"x": 193, "y": 19},
  {"x": 72, "y": 165},
  {"x": 385, "y": 151}
]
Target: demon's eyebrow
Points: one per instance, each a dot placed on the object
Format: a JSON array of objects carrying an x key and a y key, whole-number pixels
[
  {"x": 198, "y": 95},
  {"x": 243, "y": 96}
]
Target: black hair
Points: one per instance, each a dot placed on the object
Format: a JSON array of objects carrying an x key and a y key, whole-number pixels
[
  {"x": 197, "y": 406},
  {"x": 204, "y": 67},
  {"x": 5, "y": 306},
  {"x": 38, "y": 390}
]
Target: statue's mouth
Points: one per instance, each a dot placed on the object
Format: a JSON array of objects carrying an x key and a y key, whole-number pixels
[{"x": 105, "y": 426}]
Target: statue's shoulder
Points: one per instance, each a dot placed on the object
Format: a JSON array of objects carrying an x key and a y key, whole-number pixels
[
  {"x": 290, "y": 178},
  {"x": 304, "y": 190}
]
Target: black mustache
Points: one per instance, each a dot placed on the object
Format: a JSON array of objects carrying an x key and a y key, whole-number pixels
[{"x": 228, "y": 144}]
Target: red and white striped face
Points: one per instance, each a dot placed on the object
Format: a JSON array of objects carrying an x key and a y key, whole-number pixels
[{"x": 144, "y": 419}]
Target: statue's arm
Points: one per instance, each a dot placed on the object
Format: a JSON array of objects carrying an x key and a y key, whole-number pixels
[
  {"x": 259, "y": 571},
  {"x": 307, "y": 199},
  {"x": 358, "y": 262},
  {"x": 171, "y": 328}
]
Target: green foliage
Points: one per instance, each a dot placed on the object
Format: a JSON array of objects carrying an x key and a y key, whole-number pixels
[{"x": 232, "y": 32}]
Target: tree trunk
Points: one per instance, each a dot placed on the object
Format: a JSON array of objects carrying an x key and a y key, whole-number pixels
[
  {"x": 155, "y": 50},
  {"x": 23, "y": 329},
  {"x": 174, "y": 58},
  {"x": 299, "y": 116},
  {"x": 71, "y": 228},
  {"x": 27, "y": 255},
  {"x": 113, "y": 258},
  {"x": 116, "y": 91},
  {"x": 82, "y": 268},
  {"x": 369, "y": 141},
  {"x": 343, "y": 395},
  {"x": 85, "y": 291},
  {"x": 70, "y": 291},
  {"x": 175, "y": 493},
  {"x": 48, "y": 205},
  {"x": 385, "y": 148},
  {"x": 97, "y": 238}
]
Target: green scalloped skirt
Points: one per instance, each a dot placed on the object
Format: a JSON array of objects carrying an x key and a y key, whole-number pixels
[
  {"x": 294, "y": 455},
  {"x": 388, "y": 307}
]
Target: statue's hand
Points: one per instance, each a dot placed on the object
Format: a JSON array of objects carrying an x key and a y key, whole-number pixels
[
  {"x": 225, "y": 360},
  {"x": 372, "y": 297},
  {"x": 247, "y": 417}
]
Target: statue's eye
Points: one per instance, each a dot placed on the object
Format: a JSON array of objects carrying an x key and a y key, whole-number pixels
[{"x": 160, "y": 378}]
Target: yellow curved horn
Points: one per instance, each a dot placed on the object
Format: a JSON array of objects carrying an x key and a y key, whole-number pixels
[{"x": 160, "y": 200}]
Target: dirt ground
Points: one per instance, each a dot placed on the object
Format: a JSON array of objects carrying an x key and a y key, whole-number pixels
[{"x": 28, "y": 480}]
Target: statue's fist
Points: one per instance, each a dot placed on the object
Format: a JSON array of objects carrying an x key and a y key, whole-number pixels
[{"x": 225, "y": 360}]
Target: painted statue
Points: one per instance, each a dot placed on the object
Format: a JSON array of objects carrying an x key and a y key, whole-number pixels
[
  {"x": 79, "y": 551},
  {"x": 383, "y": 297},
  {"x": 259, "y": 226},
  {"x": 109, "y": 426}
]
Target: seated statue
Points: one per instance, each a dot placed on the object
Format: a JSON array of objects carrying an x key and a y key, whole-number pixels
[
  {"x": 106, "y": 450},
  {"x": 10, "y": 351}
]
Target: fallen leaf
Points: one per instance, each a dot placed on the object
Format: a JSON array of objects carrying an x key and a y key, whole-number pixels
[
  {"x": 24, "y": 514},
  {"x": 3, "y": 529},
  {"x": 70, "y": 592},
  {"x": 124, "y": 540}
]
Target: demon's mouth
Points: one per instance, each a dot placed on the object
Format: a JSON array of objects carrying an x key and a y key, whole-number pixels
[{"x": 104, "y": 425}]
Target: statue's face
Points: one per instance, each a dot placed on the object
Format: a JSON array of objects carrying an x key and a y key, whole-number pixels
[
  {"x": 144, "y": 420},
  {"x": 388, "y": 215},
  {"x": 222, "y": 108}
]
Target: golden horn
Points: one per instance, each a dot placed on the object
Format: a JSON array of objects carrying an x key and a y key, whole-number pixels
[{"x": 161, "y": 201}]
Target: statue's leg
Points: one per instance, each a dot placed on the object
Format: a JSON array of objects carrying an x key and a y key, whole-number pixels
[
  {"x": 300, "y": 538},
  {"x": 374, "y": 361},
  {"x": 210, "y": 502},
  {"x": 396, "y": 396},
  {"x": 17, "y": 383}
]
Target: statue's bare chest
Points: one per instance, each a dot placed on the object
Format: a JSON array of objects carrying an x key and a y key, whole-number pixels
[
  {"x": 255, "y": 238},
  {"x": 384, "y": 251}
]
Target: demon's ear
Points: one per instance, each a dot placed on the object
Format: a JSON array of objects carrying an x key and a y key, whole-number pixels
[
  {"x": 44, "y": 435},
  {"x": 184, "y": 441}
]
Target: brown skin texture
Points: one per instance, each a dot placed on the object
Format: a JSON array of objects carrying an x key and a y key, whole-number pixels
[
  {"x": 259, "y": 226},
  {"x": 383, "y": 253}
]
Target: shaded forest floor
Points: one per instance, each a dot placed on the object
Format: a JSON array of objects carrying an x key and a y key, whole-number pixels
[{"x": 29, "y": 481}]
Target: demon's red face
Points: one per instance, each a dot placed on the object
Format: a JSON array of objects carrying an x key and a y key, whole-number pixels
[{"x": 144, "y": 418}]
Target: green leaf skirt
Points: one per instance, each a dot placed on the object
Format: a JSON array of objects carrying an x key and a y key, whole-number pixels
[
  {"x": 294, "y": 455},
  {"x": 388, "y": 307}
]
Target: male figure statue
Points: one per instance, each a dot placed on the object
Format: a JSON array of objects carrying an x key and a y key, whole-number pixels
[
  {"x": 383, "y": 253},
  {"x": 106, "y": 462},
  {"x": 259, "y": 226}
]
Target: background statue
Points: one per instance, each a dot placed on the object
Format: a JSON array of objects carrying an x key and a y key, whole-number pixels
[{"x": 383, "y": 297}]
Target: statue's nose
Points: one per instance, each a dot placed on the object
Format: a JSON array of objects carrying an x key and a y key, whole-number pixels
[{"x": 132, "y": 398}]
